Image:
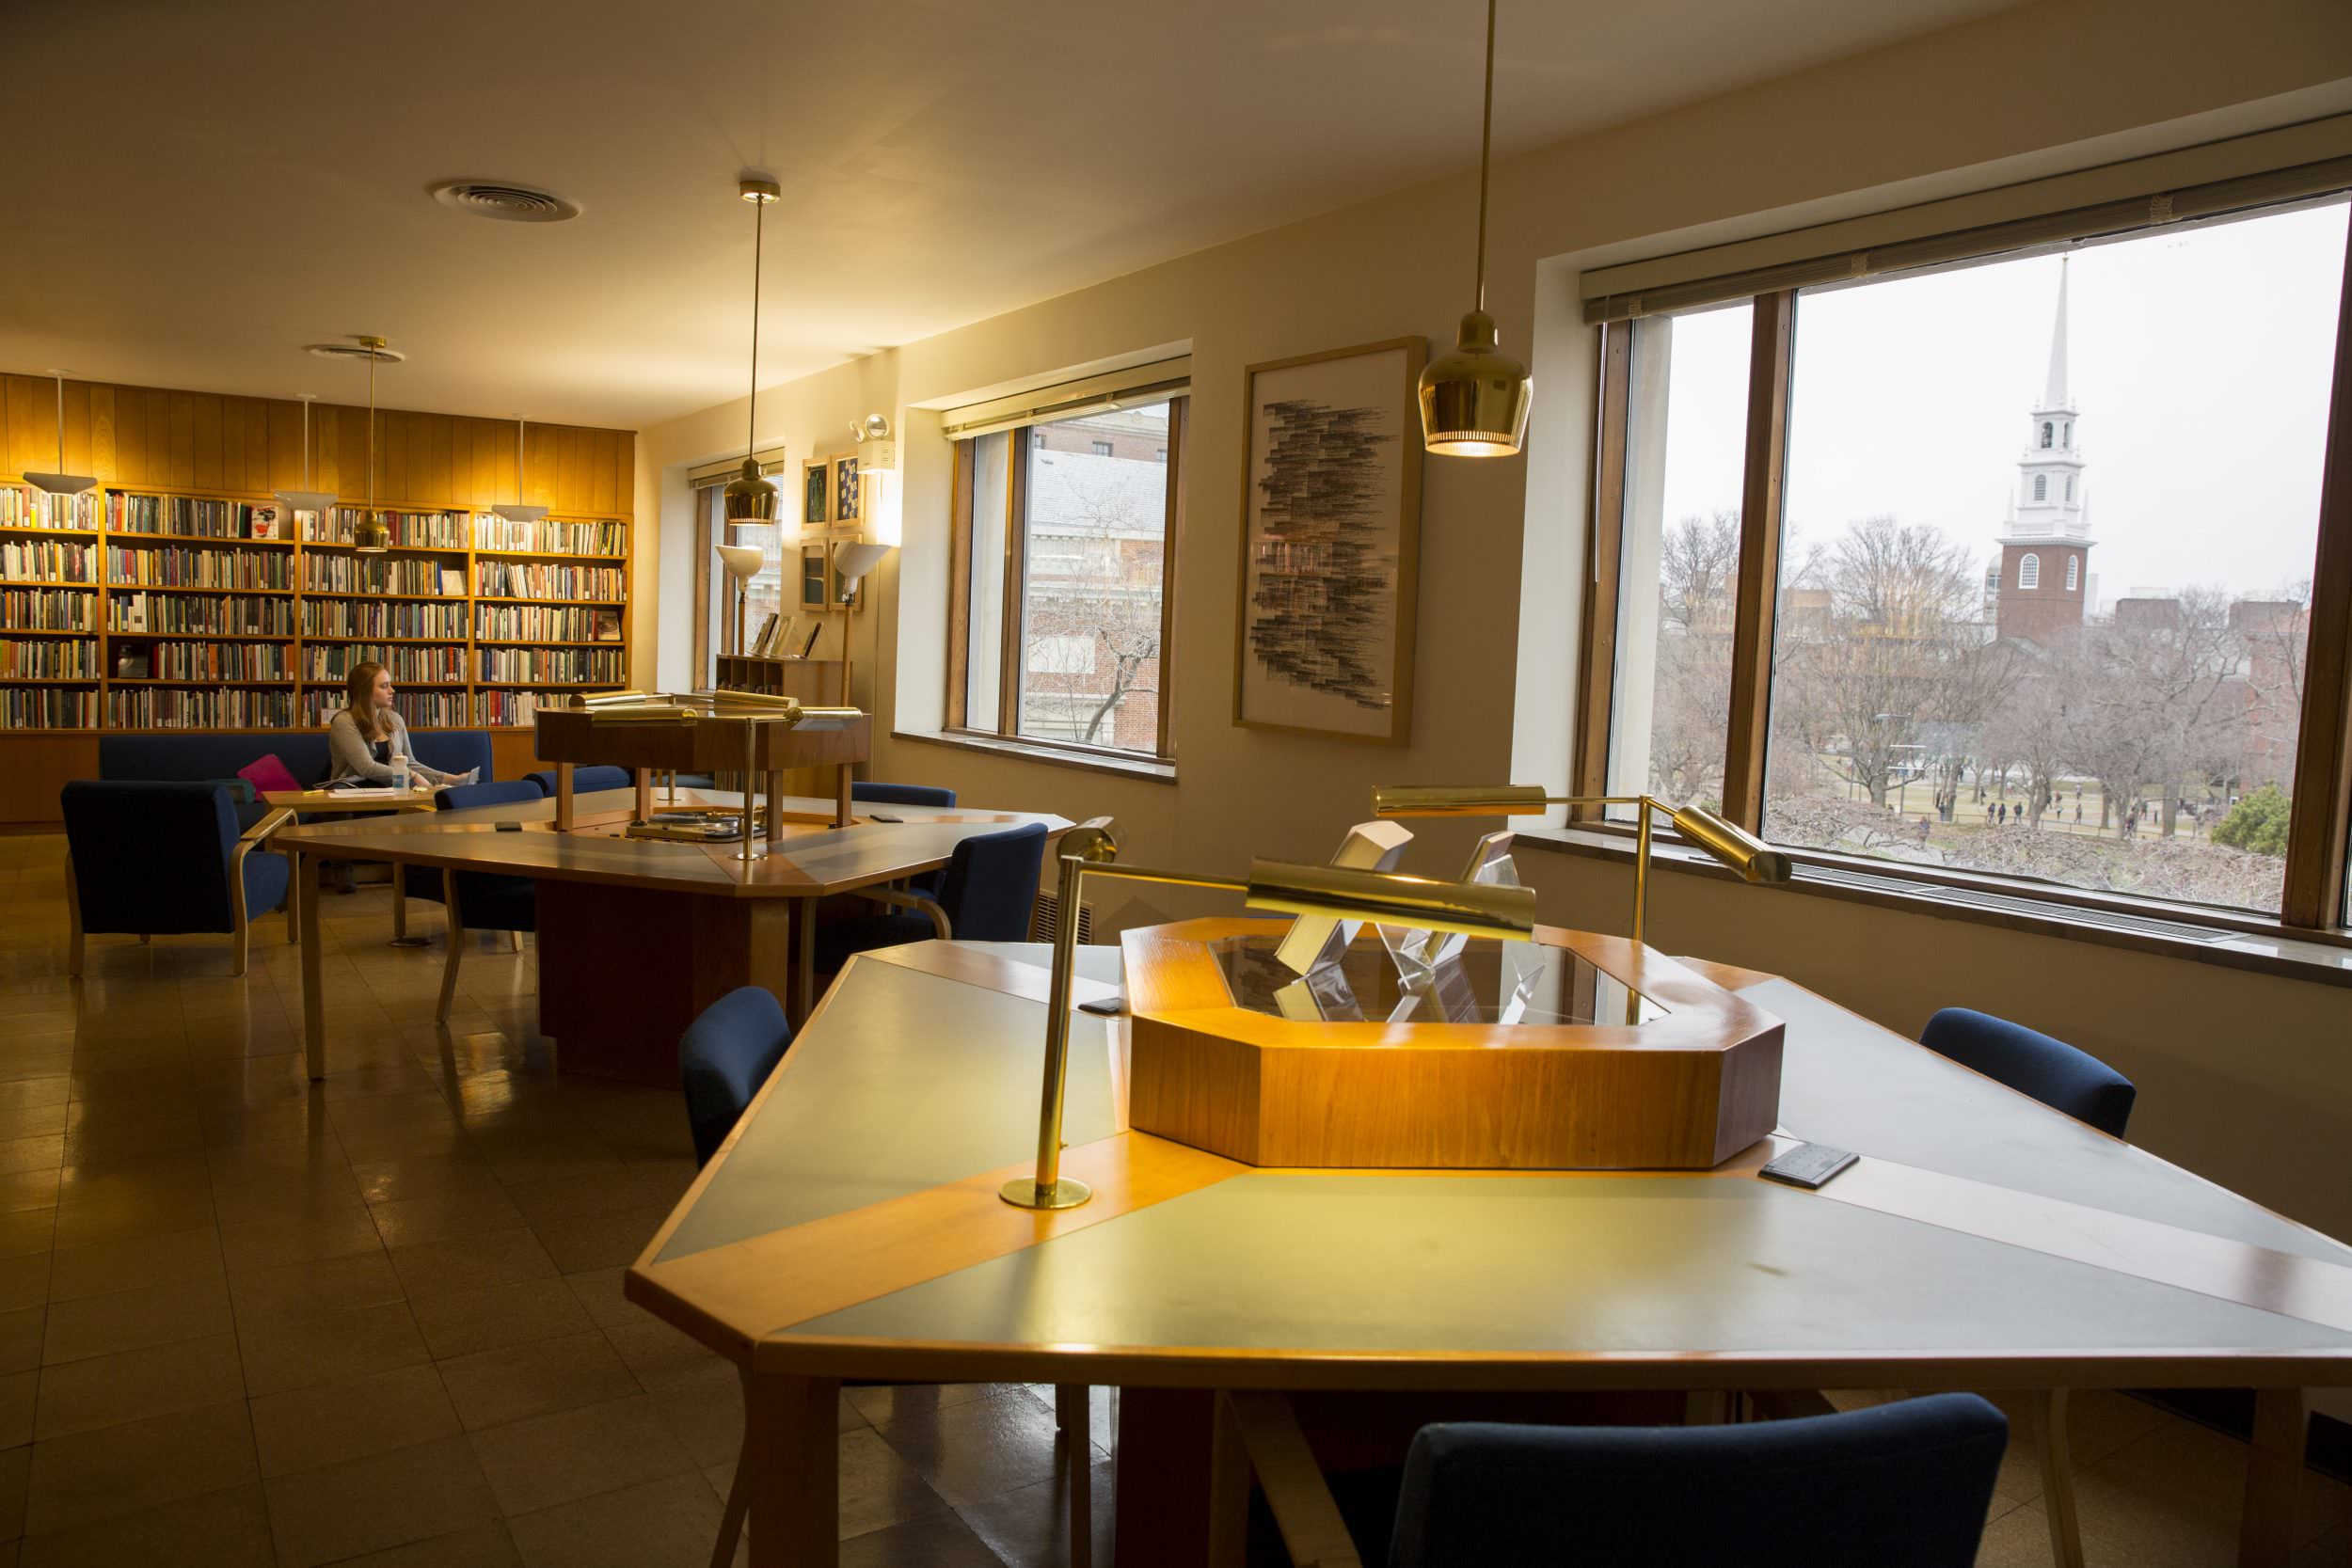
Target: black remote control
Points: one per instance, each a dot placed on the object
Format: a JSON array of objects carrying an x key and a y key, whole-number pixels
[
  {"x": 1110, "y": 1006},
  {"x": 878, "y": 816},
  {"x": 1806, "y": 1165}
]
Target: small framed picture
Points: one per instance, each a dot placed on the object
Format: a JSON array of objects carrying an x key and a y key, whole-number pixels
[
  {"x": 817, "y": 491},
  {"x": 816, "y": 576},
  {"x": 264, "y": 520},
  {"x": 605, "y": 625},
  {"x": 845, "y": 490}
]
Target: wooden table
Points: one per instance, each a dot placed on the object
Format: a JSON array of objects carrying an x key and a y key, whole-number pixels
[
  {"x": 637, "y": 936},
  {"x": 851, "y": 1228},
  {"x": 342, "y": 802}
]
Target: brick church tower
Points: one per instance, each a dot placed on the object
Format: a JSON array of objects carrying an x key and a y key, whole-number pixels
[{"x": 2045, "y": 543}]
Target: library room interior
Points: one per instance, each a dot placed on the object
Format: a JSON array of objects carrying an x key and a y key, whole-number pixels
[{"x": 1034, "y": 787}]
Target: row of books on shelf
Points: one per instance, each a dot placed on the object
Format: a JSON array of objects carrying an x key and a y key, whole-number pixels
[
  {"x": 570, "y": 666},
  {"x": 383, "y": 618},
  {"x": 195, "y": 615},
  {"x": 380, "y": 573},
  {"x": 514, "y": 709},
  {"x": 499, "y": 622},
  {"x": 45, "y": 561},
  {"x": 531, "y": 580},
  {"x": 48, "y": 609},
  {"x": 184, "y": 566},
  {"x": 334, "y": 661},
  {"x": 22, "y": 506},
  {"x": 423, "y": 710},
  {"x": 407, "y": 531},
  {"x": 131, "y": 513},
  {"x": 226, "y": 707},
  {"x": 49, "y": 659},
  {"x": 48, "y": 707},
  {"x": 550, "y": 535}
]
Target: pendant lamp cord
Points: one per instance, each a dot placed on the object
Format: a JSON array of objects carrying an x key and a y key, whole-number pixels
[
  {"x": 370, "y": 434},
  {"x": 1486, "y": 151},
  {"x": 61, "y": 423},
  {"x": 759, "y": 225}
]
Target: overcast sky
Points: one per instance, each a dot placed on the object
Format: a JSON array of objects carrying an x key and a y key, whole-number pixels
[{"x": 2200, "y": 360}]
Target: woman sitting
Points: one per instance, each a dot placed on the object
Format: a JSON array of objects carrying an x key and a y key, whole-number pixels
[{"x": 368, "y": 732}]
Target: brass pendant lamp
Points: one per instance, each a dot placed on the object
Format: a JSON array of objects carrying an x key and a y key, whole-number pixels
[
  {"x": 750, "y": 498},
  {"x": 369, "y": 536},
  {"x": 1474, "y": 401},
  {"x": 61, "y": 484},
  {"x": 517, "y": 510}
]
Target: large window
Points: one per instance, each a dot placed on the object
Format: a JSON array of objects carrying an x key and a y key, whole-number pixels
[
  {"x": 1061, "y": 592},
  {"x": 2031, "y": 611}
]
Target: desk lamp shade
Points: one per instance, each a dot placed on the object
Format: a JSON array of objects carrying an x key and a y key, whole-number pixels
[
  {"x": 850, "y": 563},
  {"x": 61, "y": 484}
]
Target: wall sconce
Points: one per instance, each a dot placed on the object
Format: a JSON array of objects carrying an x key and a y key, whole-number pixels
[
  {"x": 877, "y": 454},
  {"x": 1727, "y": 842},
  {"x": 1089, "y": 849}
]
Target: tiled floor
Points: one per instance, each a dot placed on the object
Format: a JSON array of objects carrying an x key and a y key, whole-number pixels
[{"x": 244, "y": 1320}]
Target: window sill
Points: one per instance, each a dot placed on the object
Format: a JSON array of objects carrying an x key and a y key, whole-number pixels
[
  {"x": 2160, "y": 928},
  {"x": 1027, "y": 751}
]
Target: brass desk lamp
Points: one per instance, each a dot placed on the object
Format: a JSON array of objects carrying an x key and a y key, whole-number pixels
[
  {"x": 1726, "y": 842},
  {"x": 1089, "y": 849}
]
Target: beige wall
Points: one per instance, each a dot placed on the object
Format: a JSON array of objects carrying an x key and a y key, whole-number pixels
[{"x": 2245, "y": 1078}]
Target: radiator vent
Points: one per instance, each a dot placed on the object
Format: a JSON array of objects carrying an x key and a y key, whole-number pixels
[{"x": 1046, "y": 913}]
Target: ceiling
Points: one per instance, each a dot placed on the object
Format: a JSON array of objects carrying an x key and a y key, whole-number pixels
[{"x": 216, "y": 186}]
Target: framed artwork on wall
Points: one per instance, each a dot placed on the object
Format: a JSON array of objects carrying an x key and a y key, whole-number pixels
[
  {"x": 1330, "y": 544},
  {"x": 816, "y": 575},
  {"x": 815, "y": 492},
  {"x": 845, "y": 490}
]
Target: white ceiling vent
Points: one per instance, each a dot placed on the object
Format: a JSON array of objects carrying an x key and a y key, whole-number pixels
[{"x": 502, "y": 199}]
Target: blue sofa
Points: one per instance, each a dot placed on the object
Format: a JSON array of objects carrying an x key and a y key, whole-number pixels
[{"x": 196, "y": 758}]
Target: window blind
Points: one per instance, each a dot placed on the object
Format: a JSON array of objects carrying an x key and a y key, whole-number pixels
[
  {"x": 2207, "y": 183},
  {"x": 1132, "y": 388}
]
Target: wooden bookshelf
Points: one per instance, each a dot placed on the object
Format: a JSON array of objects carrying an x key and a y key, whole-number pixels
[{"x": 199, "y": 461}]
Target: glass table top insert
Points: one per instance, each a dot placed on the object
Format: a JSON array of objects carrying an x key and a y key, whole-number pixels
[{"x": 1486, "y": 981}]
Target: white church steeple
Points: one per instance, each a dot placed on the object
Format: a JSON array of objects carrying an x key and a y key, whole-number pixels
[{"x": 2050, "y": 489}]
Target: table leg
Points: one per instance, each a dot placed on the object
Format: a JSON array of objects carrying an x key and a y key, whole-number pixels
[
  {"x": 294, "y": 900},
  {"x": 1165, "y": 1477},
  {"x": 641, "y": 809},
  {"x": 841, "y": 795},
  {"x": 400, "y": 910},
  {"x": 2057, "y": 1477},
  {"x": 2274, "y": 1474},
  {"x": 804, "y": 959},
  {"x": 314, "y": 1003},
  {"x": 791, "y": 1441}
]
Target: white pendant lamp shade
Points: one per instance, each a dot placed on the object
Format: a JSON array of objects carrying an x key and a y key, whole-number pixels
[
  {"x": 306, "y": 499},
  {"x": 1474, "y": 401},
  {"x": 750, "y": 496},
  {"x": 515, "y": 511},
  {"x": 743, "y": 562},
  {"x": 61, "y": 484}
]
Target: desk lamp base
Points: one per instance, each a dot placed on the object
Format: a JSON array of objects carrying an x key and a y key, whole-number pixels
[{"x": 1024, "y": 1191}]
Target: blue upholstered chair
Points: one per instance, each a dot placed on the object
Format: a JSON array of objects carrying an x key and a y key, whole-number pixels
[
  {"x": 584, "y": 780},
  {"x": 477, "y": 900},
  {"x": 726, "y": 1055},
  {"x": 1908, "y": 1482},
  {"x": 990, "y": 885},
  {"x": 930, "y": 884},
  {"x": 148, "y": 858},
  {"x": 2049, "y": 1069}
]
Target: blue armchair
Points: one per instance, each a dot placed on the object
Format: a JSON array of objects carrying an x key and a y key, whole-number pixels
[
  {"x": 477, "y": 900},
  {"x": 930, "y": 884},
  {"x": 147, "y": 858},
  {"x": 584, "y": 780},
  {"x": 986, "y": 896},
  {"x": 2034, "y": 1064},
  {"x": 1908, "y": 1482},
  {"x": 726, "y": 1055}
]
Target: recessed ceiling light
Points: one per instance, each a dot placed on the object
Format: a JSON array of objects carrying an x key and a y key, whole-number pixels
[{"x": 504, "y": 200}]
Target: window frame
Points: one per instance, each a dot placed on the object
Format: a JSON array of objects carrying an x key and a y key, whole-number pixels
[
  {"x": 2314, "y": 895},
  {"x": 1023, "y": 440}
]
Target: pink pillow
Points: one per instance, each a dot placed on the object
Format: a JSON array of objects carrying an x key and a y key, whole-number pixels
[{"x": 269, "y": 775}]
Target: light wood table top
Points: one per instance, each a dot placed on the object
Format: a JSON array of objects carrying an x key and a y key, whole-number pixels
[
  {"x": 850, "y": 1228},
  {"x": 316, "y": 801},
  {"x": 812, "y": 859}
]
